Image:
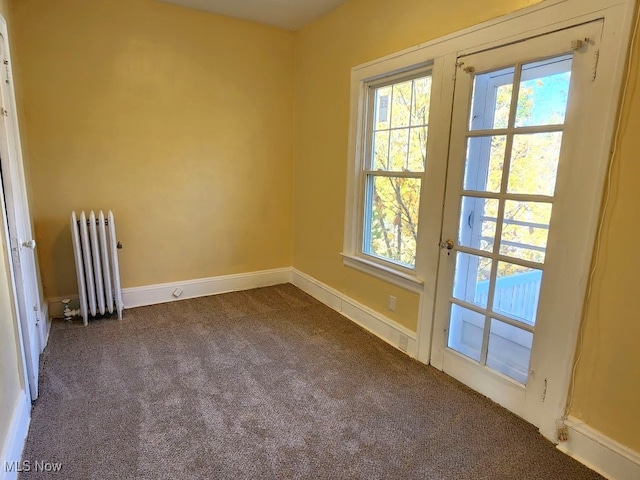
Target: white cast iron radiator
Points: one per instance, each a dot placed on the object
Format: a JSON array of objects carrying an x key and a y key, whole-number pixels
[{"x": 96, "y": 252}]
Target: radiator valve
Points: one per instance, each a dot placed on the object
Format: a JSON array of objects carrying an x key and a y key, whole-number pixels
[{"x": 68, "y": 312}]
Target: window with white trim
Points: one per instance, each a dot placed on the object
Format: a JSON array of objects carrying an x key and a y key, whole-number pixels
[{"x": 395, "y": 127}]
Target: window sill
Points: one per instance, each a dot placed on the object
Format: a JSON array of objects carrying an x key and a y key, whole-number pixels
[{"x": 388, "y": 274}]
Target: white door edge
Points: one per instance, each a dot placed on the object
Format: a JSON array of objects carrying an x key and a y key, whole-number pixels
[{"x": 31, "y": 325}]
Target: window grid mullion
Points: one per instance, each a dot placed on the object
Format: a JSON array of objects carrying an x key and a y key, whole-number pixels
[
  {"x": 406, "y": 160},
  {"x": 390, "y": 118},
  {"x": 515, "y": 130},
  {"x": 488, "y": 313},
  {"x": 400, "y": 128},
  {"x": 519, "y": 223},
  {"x": 517, "y": 197},
  {"x": 500, "y": 257},
  {"x": 501, "y": 205},
  {"x": 387, "y": 173}
]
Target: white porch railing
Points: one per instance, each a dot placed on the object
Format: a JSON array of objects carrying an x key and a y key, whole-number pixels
[{"x": 516, "y": 295}]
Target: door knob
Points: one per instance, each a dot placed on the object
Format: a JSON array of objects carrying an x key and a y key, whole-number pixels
[
  {"x": 29, "y": 244},
  {"x": 447, "y": 244}
]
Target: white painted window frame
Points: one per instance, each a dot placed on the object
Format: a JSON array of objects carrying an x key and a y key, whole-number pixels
[
  {"x": 364, "y": 229},
  {"x": 353, "y": 253},
  {"x": 545, "y": 17}
]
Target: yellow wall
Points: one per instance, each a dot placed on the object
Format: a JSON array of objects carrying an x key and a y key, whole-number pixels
[
  {"x": 608, "y": 382},
  {"x": 178, "y": 120},
  {"x": 326, "y": 50},
  {"x": 607, "y": 392},
  {"x": 11, "y": 383},
  {"x": 186, "y": 118}
]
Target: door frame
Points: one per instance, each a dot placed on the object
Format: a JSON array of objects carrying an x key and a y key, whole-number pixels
[
  {"x": 617, "y": 21},
  {"x": 22, "y": 342},
  {"x": 573, "y": 201},
  {"x": 545, "y": 17},
  {"x": 15, "y": 206}
]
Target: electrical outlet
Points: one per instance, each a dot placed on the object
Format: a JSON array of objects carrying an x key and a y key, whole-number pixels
[{"x": 392, "y": 303}]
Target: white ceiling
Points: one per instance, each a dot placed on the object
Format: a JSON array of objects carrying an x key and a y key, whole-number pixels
[{"x": 288, "y": 14}]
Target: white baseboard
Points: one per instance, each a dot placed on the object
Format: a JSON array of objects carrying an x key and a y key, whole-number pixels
[
  {"x": 201, "y": 287},
  {"x": 600, "y": 453},
  {"x": 163, "y": 292},
  {"x": 388, "y": 330},
  {"x": 14, "y": 441},
  {"x": 331, "y": 297}
]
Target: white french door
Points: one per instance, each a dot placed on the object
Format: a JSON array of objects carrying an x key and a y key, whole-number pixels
[{"x": 512, "y": 213}]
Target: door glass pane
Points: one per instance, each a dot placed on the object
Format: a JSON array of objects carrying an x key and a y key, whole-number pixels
[
  {"x": 472, "y": 279},
  {"x": 503, "y": 105},
  {"x": 466, "y": 329},
  {"x": 485, "y": 159},
  {"x": 478, "y": 223},
  {"x": 525, "y": 230},
  {"x": 517, "y": 292},
  {"x": 543, "y": 93},
  {"x": 393, "y": 219},
  {"x": 534, "y": 163},
  {"x": 509, "y": 350},
  {"x": 491, "y": 99}
]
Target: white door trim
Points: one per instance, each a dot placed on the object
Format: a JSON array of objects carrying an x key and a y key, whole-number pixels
[
  {"x": 588, "y": 183},
  {"x": 32, "y": 326},
  {"x": 560, "y": 297},
  {"x": 21, "y": 347}
]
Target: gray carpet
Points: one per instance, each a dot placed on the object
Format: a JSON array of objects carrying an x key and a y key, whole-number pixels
[{"x": 265, "y": 384}]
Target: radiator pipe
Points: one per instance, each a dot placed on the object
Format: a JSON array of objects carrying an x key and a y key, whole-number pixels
[{"x": 68, "y": 312}]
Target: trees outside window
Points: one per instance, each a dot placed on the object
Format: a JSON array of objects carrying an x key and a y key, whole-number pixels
[{"x": 396, "y": 155}]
